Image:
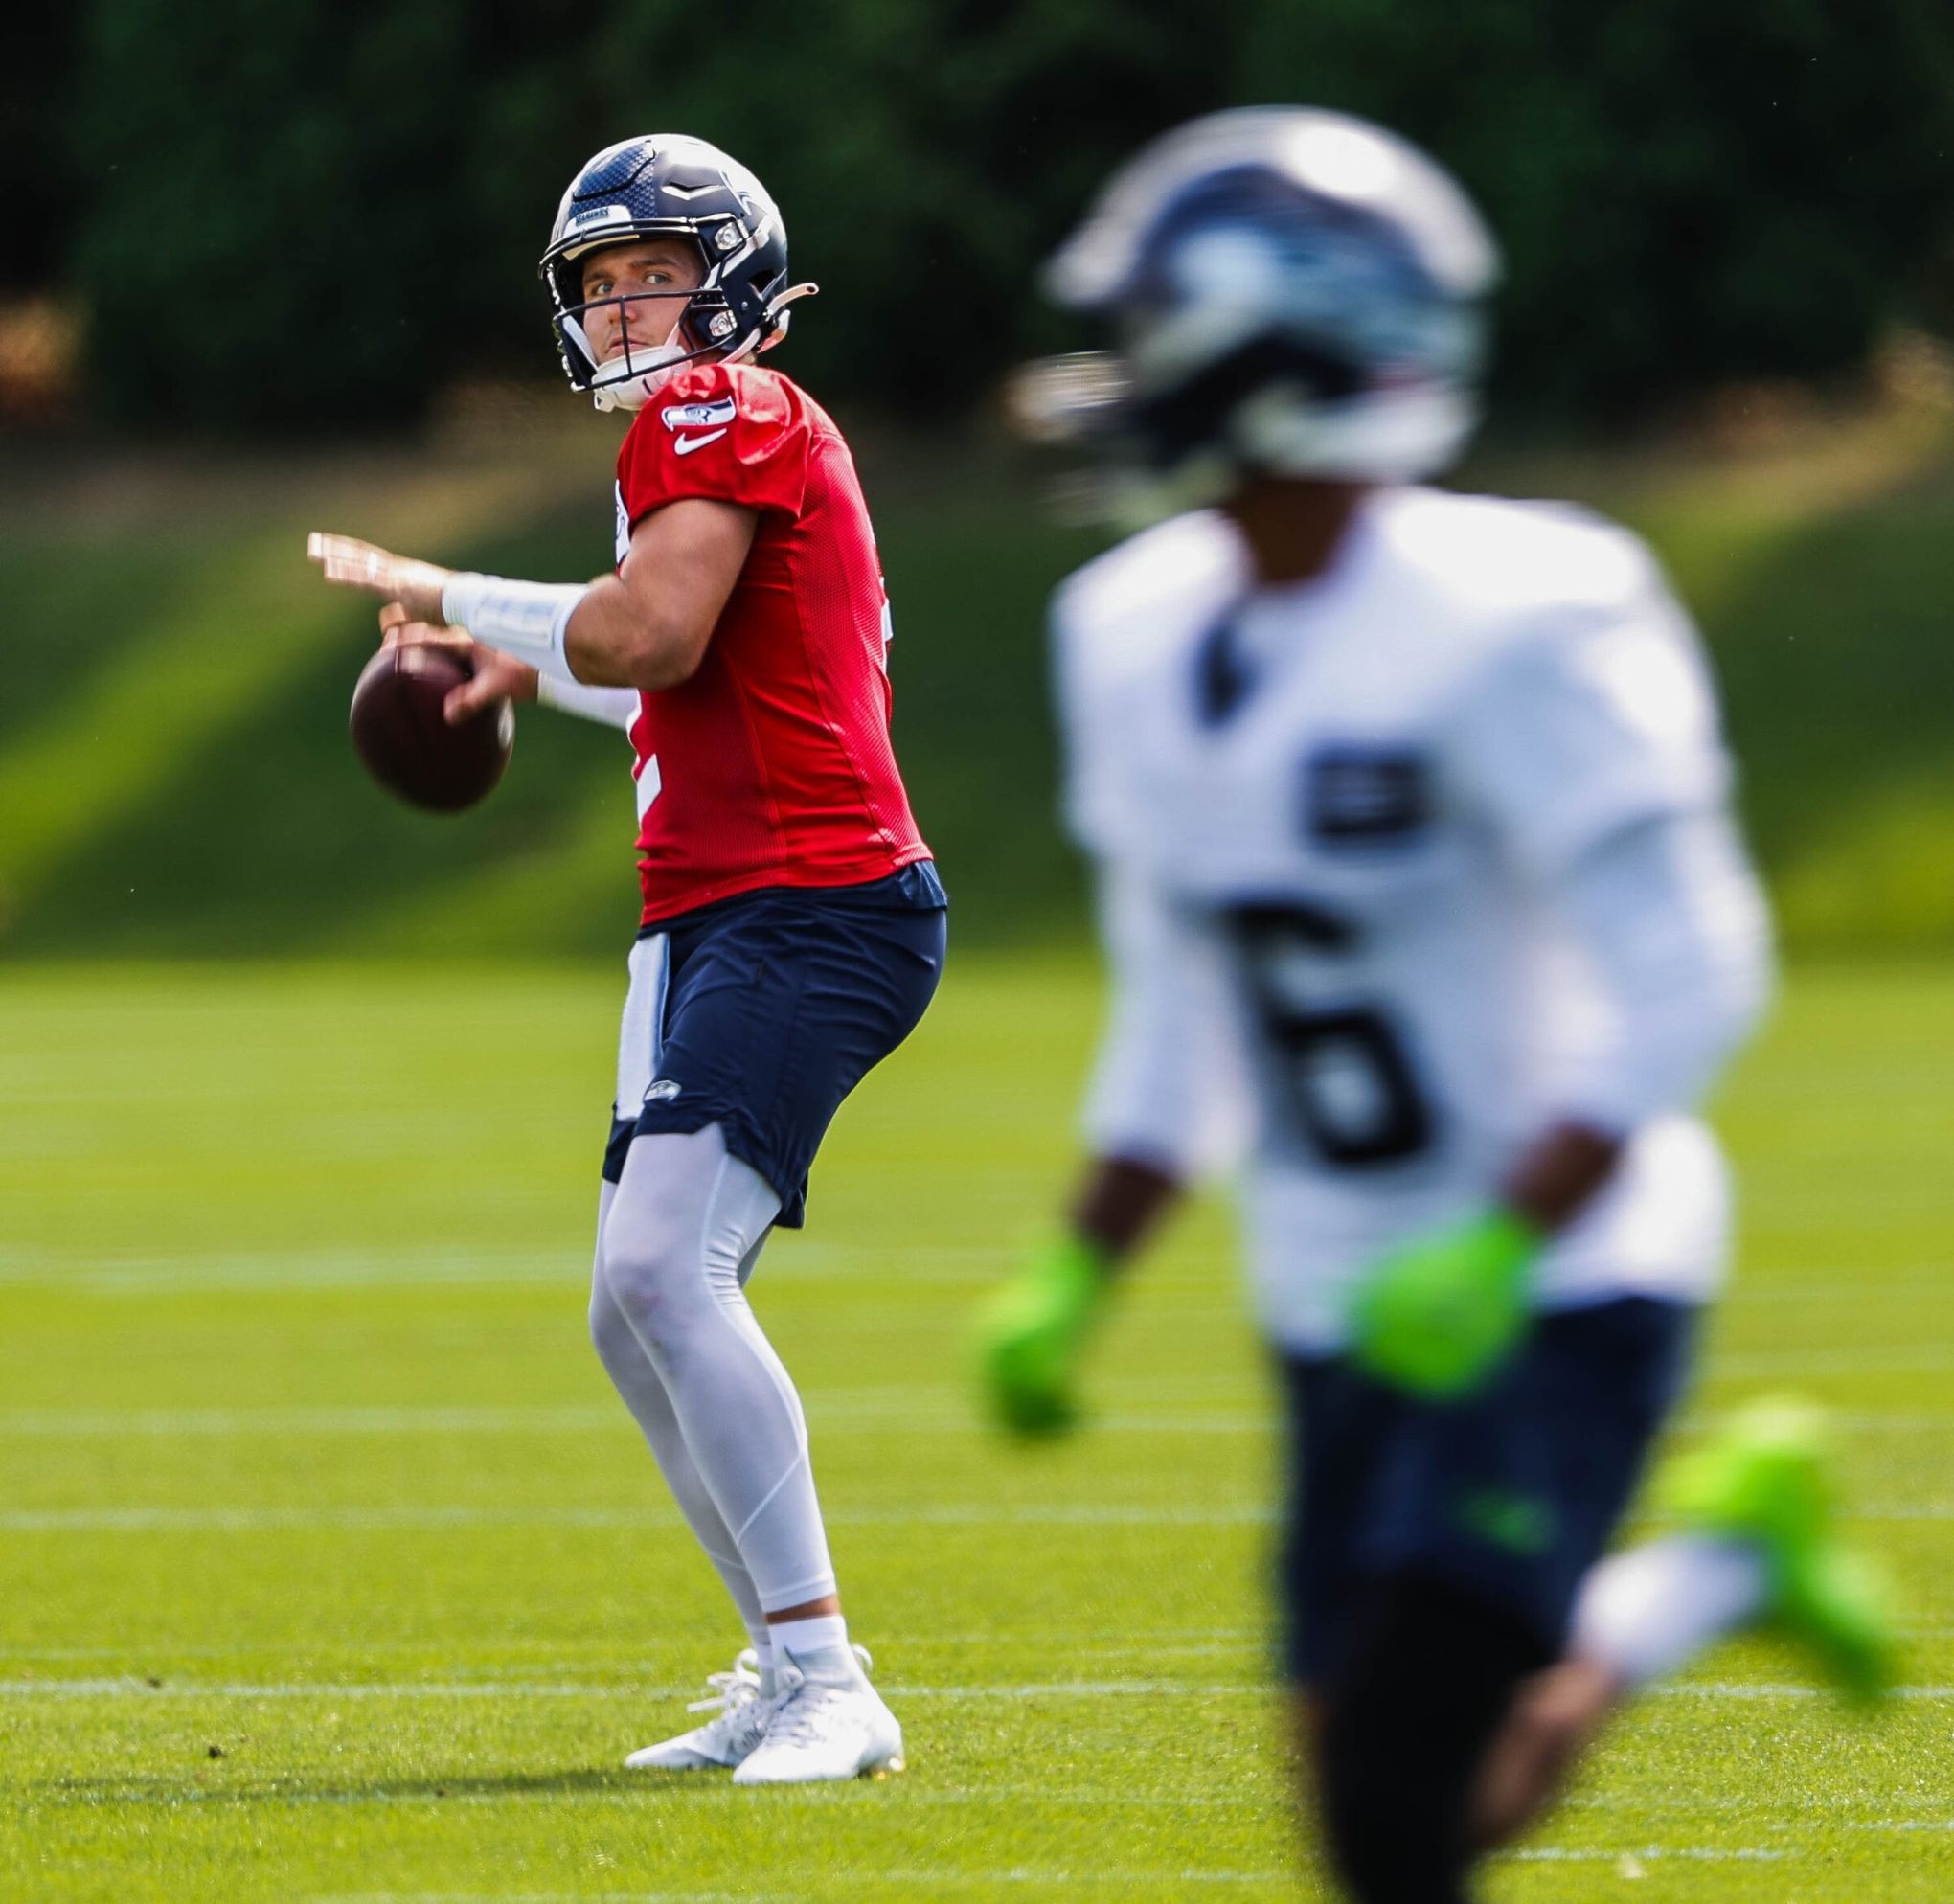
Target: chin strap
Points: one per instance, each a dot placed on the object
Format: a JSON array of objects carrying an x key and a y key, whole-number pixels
[{"x": 634, "y": 391}]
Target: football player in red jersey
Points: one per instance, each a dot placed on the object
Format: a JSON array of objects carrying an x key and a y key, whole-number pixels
[{"x": 793, "y": 925}]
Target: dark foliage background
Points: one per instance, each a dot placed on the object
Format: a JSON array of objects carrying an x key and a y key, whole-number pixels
[{"x": 313, "y": 214}]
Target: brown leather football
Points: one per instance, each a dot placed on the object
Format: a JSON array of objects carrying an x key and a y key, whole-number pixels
[{"x": 400, "y": 734}]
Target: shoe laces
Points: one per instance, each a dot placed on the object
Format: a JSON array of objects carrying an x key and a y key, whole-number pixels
[
  {"x": 733, "y": 1690},
  {"x": 804, "y": 1709}
]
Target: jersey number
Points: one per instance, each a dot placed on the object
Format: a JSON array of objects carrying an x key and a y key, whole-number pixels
[{"x": 1351, "y": 1094}]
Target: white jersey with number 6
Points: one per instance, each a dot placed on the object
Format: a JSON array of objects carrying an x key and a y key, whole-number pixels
[{"x": 1334, "y": 823}]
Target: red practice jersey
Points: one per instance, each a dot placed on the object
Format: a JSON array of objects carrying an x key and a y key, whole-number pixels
[{"x": 771, "y": 766}]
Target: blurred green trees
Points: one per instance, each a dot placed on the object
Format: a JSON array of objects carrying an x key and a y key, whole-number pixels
[{"x": 314, "y": 214}]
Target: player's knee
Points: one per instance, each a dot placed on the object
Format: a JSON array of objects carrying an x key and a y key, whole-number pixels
[
  {"x": 610, "y": 1332},
  {"x": 651, "y": 1276}
]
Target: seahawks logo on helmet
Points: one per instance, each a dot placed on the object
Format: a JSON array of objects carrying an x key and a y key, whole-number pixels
[{"x": 669, "y": 185}]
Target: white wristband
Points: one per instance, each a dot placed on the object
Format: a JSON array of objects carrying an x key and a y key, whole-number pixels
[
  {"x": 523, "y": 619},
  {"x": 610, "y": 707}
]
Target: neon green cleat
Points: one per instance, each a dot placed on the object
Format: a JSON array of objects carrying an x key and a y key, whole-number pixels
[
  {"x": 1030, "y": 1334},
  {"x": 1764, "y": 1478}
]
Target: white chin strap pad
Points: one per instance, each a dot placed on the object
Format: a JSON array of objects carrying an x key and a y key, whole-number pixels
[
  {"x": 628, "y": 383},
  {"x": 1399, "y": 435},
  {"x": 630, "y": 388},
  {"x": 1396, "y": 436},
  {"x": 630, "y": 395}
]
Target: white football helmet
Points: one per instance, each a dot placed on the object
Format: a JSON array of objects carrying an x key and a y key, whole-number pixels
[{"x": 1293, "y": 292}]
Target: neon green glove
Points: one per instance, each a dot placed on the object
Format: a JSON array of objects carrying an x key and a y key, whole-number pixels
[
  {"x": 1030, "y": 1332},
  {"x": 1438, "y": 1317}
]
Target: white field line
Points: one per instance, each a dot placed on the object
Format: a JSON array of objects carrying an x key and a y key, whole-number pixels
[
  {"x": 1192, "y": 1642},
  {"x": 1126, "y": 1879},
  {"x": 1171, "y": 1643},
  {"x": 1921, "y": 1279},
  {"x": 129, "y": 1687},
  {"x": 297, "y": 1271},
  {"x": 431, "y": 1518},
  {"x": 287, "y": 1420},
  {"x": 1709, "y": 1855},
  {"x": 1876, "y": 1359},
  {"x": 567, "y": 1419},
  {"x": 854, "y": 1883},
  {"x": 622, "y": 1796},
  {"x": 836, "y": 1408},
  {"x": 174, "y": 1272},
  {"x": 897, "y": 1400},
  {"x": 409, "y": 1519}
]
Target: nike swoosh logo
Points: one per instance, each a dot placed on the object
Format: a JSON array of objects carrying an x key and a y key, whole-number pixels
[{"x": 685, "y": 445}]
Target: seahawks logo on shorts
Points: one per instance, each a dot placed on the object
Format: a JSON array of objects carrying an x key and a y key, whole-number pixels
[
  {"x": 699, "y": 416},
  {"x": 661, "y": 1090}
]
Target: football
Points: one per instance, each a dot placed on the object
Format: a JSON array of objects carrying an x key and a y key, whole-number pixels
[{"x": 400, "y": 734}]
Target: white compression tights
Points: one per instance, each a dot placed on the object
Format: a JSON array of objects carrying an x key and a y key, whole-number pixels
[{"x": 675, "y": 1242}]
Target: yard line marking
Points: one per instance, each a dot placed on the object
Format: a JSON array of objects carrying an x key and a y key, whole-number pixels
[
  {"x": 273, "y": 1270},
  {"x": 908, "y": 1879},
  {"x": 484, "y": 1688},
  {"x": 537, "y": 1418},
  {"x": 1124, "y": 1877},
  {"x": 425, "y": 1421},
  {"x": 1739, "y": 1688},
  {"x": 1880, "y": 1358},
  {"x": 1850, "y": 1286},
  {"x": 1856, "y": 1421},
  {"x": 265, "y": 1520},
  {"x": 128, "y": 1687},
  {"x": 576, "y": 1417},
  {"x": 1713, "y": 1854},
  {"x": 432, "y": 1517},
  {"x": 1199, "y": 1639},
  {"x": 629, "y": 1792}
]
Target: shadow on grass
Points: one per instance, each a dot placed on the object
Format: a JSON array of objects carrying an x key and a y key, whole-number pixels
[{"x": 217, "y": 1787}]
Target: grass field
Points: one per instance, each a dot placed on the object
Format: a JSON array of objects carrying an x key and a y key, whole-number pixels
[{"x": 330, "y": 1569}]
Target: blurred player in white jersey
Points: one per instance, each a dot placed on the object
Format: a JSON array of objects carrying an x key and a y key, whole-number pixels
[{"x": 1422, "y": 890}]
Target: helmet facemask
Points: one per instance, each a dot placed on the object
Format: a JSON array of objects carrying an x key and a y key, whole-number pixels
[{"x": 705, "y": 326}]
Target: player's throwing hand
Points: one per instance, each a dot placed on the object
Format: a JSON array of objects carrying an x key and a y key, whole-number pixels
[{"x": 417, "y": 586}]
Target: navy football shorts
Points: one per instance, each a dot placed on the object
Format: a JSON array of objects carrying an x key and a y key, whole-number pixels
[
  {"x": 1509, "y": 1495},
  {"x": 762, "y": 1012}
]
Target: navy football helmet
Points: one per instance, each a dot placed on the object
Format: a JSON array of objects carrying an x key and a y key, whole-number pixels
[
  {"x": 669, "y": 184},
  {"x": 1292, "y": 292}
]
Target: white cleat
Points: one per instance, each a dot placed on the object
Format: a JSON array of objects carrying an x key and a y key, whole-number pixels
[
  {"x": 721, "y": 1743},
  {"x": 825, "y": 1729}
]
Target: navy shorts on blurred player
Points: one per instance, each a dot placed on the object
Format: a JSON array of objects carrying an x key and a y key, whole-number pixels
[
  {"x": 762, "y": 1012},
  {"x": 1509, "y": 1496}
]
